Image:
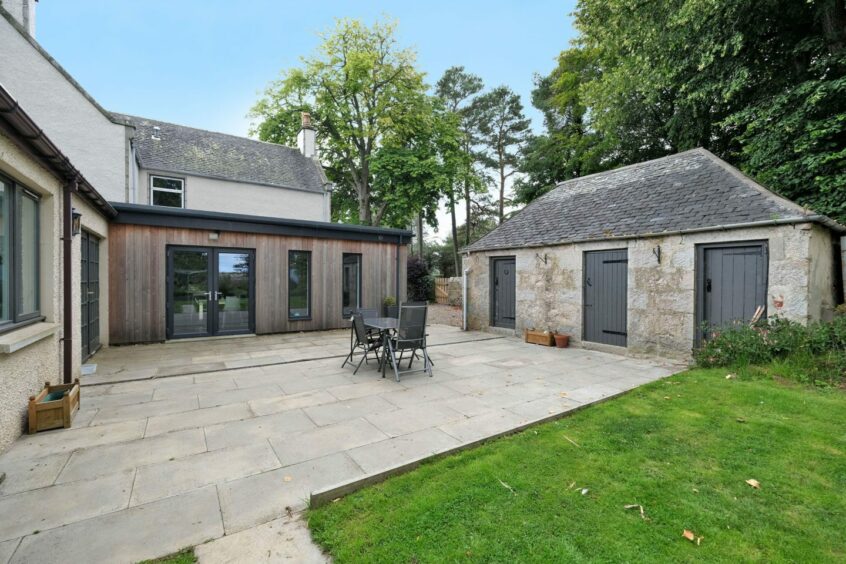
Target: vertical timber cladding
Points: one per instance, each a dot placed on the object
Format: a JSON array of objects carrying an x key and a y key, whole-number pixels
[
  {"x": 138, "y": 289},
  {"x": 605, "y": 300}
]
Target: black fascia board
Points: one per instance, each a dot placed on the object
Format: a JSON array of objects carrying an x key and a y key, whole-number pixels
[{"x": 139, "y": 214}]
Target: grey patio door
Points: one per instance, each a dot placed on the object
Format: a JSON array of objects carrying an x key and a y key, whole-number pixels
[
  {"x": 731, "y": 283},
  {"x": 90, "y": 294},
  {"x": 504, "y": 291},
  {"x": 210, "y": 292},
  {"x": 606, "y": 296}
]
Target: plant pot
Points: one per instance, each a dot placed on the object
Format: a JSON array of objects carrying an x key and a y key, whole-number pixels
[
  {"x": 538, "y": 337},
  {"x": 391, "y": 311},
  {"x": 53, "y": 407},
  {"x": 562, "y": 341}
]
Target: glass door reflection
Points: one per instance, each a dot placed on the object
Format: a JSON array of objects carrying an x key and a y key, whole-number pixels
[
  {"x": 233, "y": 291},
  {"x": 191, "y": 290}
]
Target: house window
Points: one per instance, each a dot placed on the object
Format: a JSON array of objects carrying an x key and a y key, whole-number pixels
[
  {"x": 168, "y": 192},
  {"x": 299, "y": 285},
  {"x": 19, "y": 254},
  {"x": 351, "y": 283}
]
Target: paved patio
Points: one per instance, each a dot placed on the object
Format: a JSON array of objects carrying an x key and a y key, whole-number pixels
[{"x": 182, "y": 443}]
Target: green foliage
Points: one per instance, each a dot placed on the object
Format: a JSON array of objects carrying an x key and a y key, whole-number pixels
[
  {"x": 760, "y": 84},
  {"x": 365, "y": 96},
  {"x": 675, "y": 447},
  {"x": 421, "y": 286},
  {"x": 814, "y": 354},
  {"x": 185, "y": 556},
  {"x": 503, "y": 130},
  {"x": 571, "y": 147}
]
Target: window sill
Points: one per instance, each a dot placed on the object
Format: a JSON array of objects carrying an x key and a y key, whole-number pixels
[{"x": 19, "y": 338}]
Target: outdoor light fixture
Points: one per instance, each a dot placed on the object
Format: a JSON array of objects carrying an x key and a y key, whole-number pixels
[{"x": 76, "y": 222}]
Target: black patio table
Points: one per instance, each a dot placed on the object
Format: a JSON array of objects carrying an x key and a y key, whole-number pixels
[
  {"x": 381, "y": 324},
  {"x": 384, "y": 325}
]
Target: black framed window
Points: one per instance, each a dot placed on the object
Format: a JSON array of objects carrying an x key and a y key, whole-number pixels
[
  {"x": 19, "y": 254},
  {"x": 167, "y": 192},
  {"x": 350, "y": 283},
  {"x": 299, "y": 284}
]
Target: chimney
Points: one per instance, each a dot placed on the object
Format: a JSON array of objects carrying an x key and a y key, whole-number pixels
[
  {"x": 306, "y": 137},
  {"x": 23, "y": 11}
]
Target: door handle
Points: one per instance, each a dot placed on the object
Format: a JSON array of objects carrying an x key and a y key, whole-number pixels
[
  {"x": 707, "y": 284},
  {"x": 588, "y": 282}
]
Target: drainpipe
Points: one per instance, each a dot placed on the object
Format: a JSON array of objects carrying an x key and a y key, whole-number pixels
[
  {"x": 464, "y": 298},
  {"x": 399, "y": 242},
  {"x": 67, "y": 280}
]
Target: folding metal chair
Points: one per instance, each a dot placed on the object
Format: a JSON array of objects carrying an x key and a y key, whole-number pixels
[
  {"x": 410, "y": 337},
  {"x": 362, "y": 341}
]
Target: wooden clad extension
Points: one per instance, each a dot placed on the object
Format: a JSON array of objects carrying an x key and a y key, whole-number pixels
[{"x": 138, "y": 288}]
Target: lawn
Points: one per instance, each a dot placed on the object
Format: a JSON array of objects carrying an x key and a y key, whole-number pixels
[{"x": 682, "y": 448}]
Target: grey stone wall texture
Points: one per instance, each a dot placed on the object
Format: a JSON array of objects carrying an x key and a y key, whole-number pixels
[{"x": 660, "y": 296}]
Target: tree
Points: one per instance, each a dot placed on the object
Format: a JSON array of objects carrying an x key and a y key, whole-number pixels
[
  {"x": 457, "y": 88},
  {"x": 503, "y": 130},
  {"x": 570, "y": 147},
  {"x": 360, "y": 89},
  {"x": 761, "y": 84}
]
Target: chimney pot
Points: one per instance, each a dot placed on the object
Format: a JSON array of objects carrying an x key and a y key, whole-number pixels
[{"x": 305, "y": 120}]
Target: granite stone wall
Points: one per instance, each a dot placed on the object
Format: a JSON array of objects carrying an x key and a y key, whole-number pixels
[{"x": 660, "y": 295}]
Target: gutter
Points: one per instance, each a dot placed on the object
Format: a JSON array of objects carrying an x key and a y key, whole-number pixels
[{"x": 815, "y": 218}]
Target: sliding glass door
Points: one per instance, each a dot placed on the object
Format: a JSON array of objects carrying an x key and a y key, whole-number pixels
[{"x": 210, "y": 292}]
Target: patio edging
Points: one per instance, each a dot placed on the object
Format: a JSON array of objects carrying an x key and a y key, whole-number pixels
[{"x": 321, "y": 497}]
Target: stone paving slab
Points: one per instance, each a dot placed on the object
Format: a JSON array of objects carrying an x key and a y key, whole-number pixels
[
  {"x": 185, "y": 474},
  {"x": 393, "y": 452},
  {"x": 257, "y": 429},
  {"x": 256, "y": 499},
  {"x": 138, "y": 533},
  {"x": 107, "y": 459},
  {"x": 7, "y": 548},
  {"x": 280, "y": 541},
  {"x": 38, "y": 510},
  {"x": 199, "y": 418},
  {"x": 276, "y": 433},
  {"x": 31, "y": 473}
]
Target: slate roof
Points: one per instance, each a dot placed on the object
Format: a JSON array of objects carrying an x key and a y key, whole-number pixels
[
  {"x": 187, "y": 150},
  {"x": 689, "y": 191}
]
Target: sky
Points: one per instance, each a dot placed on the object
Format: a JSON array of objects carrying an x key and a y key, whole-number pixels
[{"x": 203, "y": 63}]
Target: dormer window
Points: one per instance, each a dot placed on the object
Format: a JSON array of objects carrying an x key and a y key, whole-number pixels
[{"x": 168, "y": 192}]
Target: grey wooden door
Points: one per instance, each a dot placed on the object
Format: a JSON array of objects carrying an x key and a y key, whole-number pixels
[
  {"x": 606, "y": 296},
  {"x": 504, "y": 292},
  {"x": 732, "y": 283},
  {"x": 90, "y": 294}
]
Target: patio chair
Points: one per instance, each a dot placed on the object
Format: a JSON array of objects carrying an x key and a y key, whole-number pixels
[
  {"x": 410, "y": 337},
  {"x": 363, "y": 342}
]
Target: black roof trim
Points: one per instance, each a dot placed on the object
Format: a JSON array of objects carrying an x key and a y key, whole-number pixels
[
  {"x": 139, "y": 214},
  {"x": 23, "y": 130}
]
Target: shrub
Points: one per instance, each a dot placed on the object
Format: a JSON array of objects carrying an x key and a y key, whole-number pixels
[
  {"x": 421, "y": 286},
  {"x": 814, "y": 354}
]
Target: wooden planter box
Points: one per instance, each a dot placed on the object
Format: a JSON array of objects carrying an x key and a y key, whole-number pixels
[
  {"x": 53, "y": 407},
  {"x": 539, "y": 337}
]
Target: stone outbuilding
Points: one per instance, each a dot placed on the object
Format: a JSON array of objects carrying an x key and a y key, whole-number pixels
[{"x": 639, "y": 259}]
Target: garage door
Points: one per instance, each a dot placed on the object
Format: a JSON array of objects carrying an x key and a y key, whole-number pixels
[{"x": 606, "y": 296}]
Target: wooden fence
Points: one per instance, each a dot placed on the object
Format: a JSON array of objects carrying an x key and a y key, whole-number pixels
[{"x": 442, "y": 290}]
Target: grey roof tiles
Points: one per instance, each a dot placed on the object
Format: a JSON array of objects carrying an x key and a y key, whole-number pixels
[
  {"x": 186, "y": 150},
  {"x": 693, "y": 190}
]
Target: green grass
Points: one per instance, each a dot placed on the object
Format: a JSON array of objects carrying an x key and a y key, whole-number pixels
[
  {"x": 185, "y": 556},
  {"x": 682, "y": 448}
]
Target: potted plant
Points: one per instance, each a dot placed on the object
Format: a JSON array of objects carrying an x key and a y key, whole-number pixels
[
  {"x": 391, "y": 308},
  {"x": 562, "y": 340},
  {"x": 53, "y": 407}
]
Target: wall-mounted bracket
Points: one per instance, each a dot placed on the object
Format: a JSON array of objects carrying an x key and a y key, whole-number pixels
[
  {"x": 657, "y": 252},
  {"x": 541, "y": 258}
]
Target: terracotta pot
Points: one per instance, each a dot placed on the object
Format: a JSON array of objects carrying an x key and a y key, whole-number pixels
[{"x": 562, "y": 341}]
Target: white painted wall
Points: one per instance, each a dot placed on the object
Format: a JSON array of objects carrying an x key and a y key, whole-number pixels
[
  {"x": 211, "y": 194},
  {"x": 95, "y": 145}
]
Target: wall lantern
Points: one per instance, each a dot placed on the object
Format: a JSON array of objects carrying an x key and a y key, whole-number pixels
[{"x": 76, "y": 222}]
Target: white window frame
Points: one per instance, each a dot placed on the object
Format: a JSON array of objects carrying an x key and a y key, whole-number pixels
[{"x": 181, "y": 191}]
